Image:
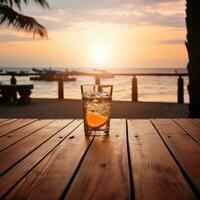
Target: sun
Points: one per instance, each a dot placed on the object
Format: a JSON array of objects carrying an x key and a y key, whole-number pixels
[{"x": 101, "y": 55}]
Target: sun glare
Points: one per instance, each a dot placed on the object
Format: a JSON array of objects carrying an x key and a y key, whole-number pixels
[{"x": 101, "y": 55}]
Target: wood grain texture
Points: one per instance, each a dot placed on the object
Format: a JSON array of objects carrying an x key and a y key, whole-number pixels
[
  {"x": 104, "y": 172},
  {"x": 184, "y": 148},
  {"x": 197, "y": 120},
  {"x": 48, "y": 180},
  {"x": 3, "y": 120},
  {"x": 19, "y": 134},
  {"x": 10, "y": 178},
  {"x": 6, "y": 121},
  {"x": 26, "y": 146},
  {"x": 16, "y": 124},
  {"x": 155, "y": 173},
  {"x": 191, "y": 126},
  {"x": 58, "y": 161}
]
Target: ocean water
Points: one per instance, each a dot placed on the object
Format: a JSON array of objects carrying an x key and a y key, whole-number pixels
[{"x": 150, "y": 88}]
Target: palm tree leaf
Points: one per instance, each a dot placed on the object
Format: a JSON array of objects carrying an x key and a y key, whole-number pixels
[
  {"x": 10, "y": 3},
  {"x": 21, "y": 22}
]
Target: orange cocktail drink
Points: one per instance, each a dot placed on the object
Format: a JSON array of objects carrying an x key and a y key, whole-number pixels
[{"x": 96, "y": 108}]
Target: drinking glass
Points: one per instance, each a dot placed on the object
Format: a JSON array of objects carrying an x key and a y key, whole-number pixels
[{"x": 96, "y": 100}]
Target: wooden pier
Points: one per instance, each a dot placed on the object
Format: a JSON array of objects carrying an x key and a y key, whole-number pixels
[{"x": 99, "y": 76}]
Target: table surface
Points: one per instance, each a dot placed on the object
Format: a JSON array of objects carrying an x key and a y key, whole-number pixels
[{"x": 140, "y": 159}]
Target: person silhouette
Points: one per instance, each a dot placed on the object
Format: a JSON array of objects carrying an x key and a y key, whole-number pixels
[{"x": 13, "y": 80}]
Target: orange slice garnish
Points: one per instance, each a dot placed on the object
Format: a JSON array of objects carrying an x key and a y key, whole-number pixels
[{"x": 95, "y": 120}]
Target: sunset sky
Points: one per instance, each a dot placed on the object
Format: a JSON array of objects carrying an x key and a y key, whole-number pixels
[{"x": 92, "y": 33}]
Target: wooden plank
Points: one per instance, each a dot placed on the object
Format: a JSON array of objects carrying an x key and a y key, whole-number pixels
[
  {"x": 14, "y": 126},
  {"x": 192, "y": 127},
  {"x": 184, "y": 148},
  {"x": 20, "y": 170},
  {"x": 50, "y": 177},
  {"x": 155, "y": 173},
  {"x": 7, "y": 121},
  {"x": 29, "y": 144},
  {"x": 19, "y": 134},
  {"x": 3, "y": 120},
  {"x": 197, "y": 120},
  {"x": 104, "y": 173}
]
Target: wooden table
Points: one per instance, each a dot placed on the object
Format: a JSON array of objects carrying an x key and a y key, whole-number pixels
[{"x": 140, "y": 159}]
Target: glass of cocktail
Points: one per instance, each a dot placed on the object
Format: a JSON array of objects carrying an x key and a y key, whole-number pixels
[{"x": 96, "y": 101}]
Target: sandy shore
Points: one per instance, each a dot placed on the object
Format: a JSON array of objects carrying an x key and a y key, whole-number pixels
[{"x": 53, "y": 108}]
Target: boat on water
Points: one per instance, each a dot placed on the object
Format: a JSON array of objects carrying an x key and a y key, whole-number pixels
[
  {"x": 16, "y": 72},
  {"x": 51, "y": 75},
  {"x": 103, "y": 73}
]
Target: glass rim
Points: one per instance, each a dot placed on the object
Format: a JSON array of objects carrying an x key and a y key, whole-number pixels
[
  {"x": 104, "y": 85},
  {"x": 96, "y": 86}
]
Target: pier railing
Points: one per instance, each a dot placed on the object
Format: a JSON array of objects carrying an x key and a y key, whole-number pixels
[{"x": 99, "y": 76}]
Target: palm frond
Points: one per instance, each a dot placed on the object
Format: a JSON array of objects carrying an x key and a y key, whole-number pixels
[
  {"x": 11, "y": 3},
  {"x": 21, "y": 22}
]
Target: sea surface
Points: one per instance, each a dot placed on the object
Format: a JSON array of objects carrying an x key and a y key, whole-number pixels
[{"x": 150, "y": 88}]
